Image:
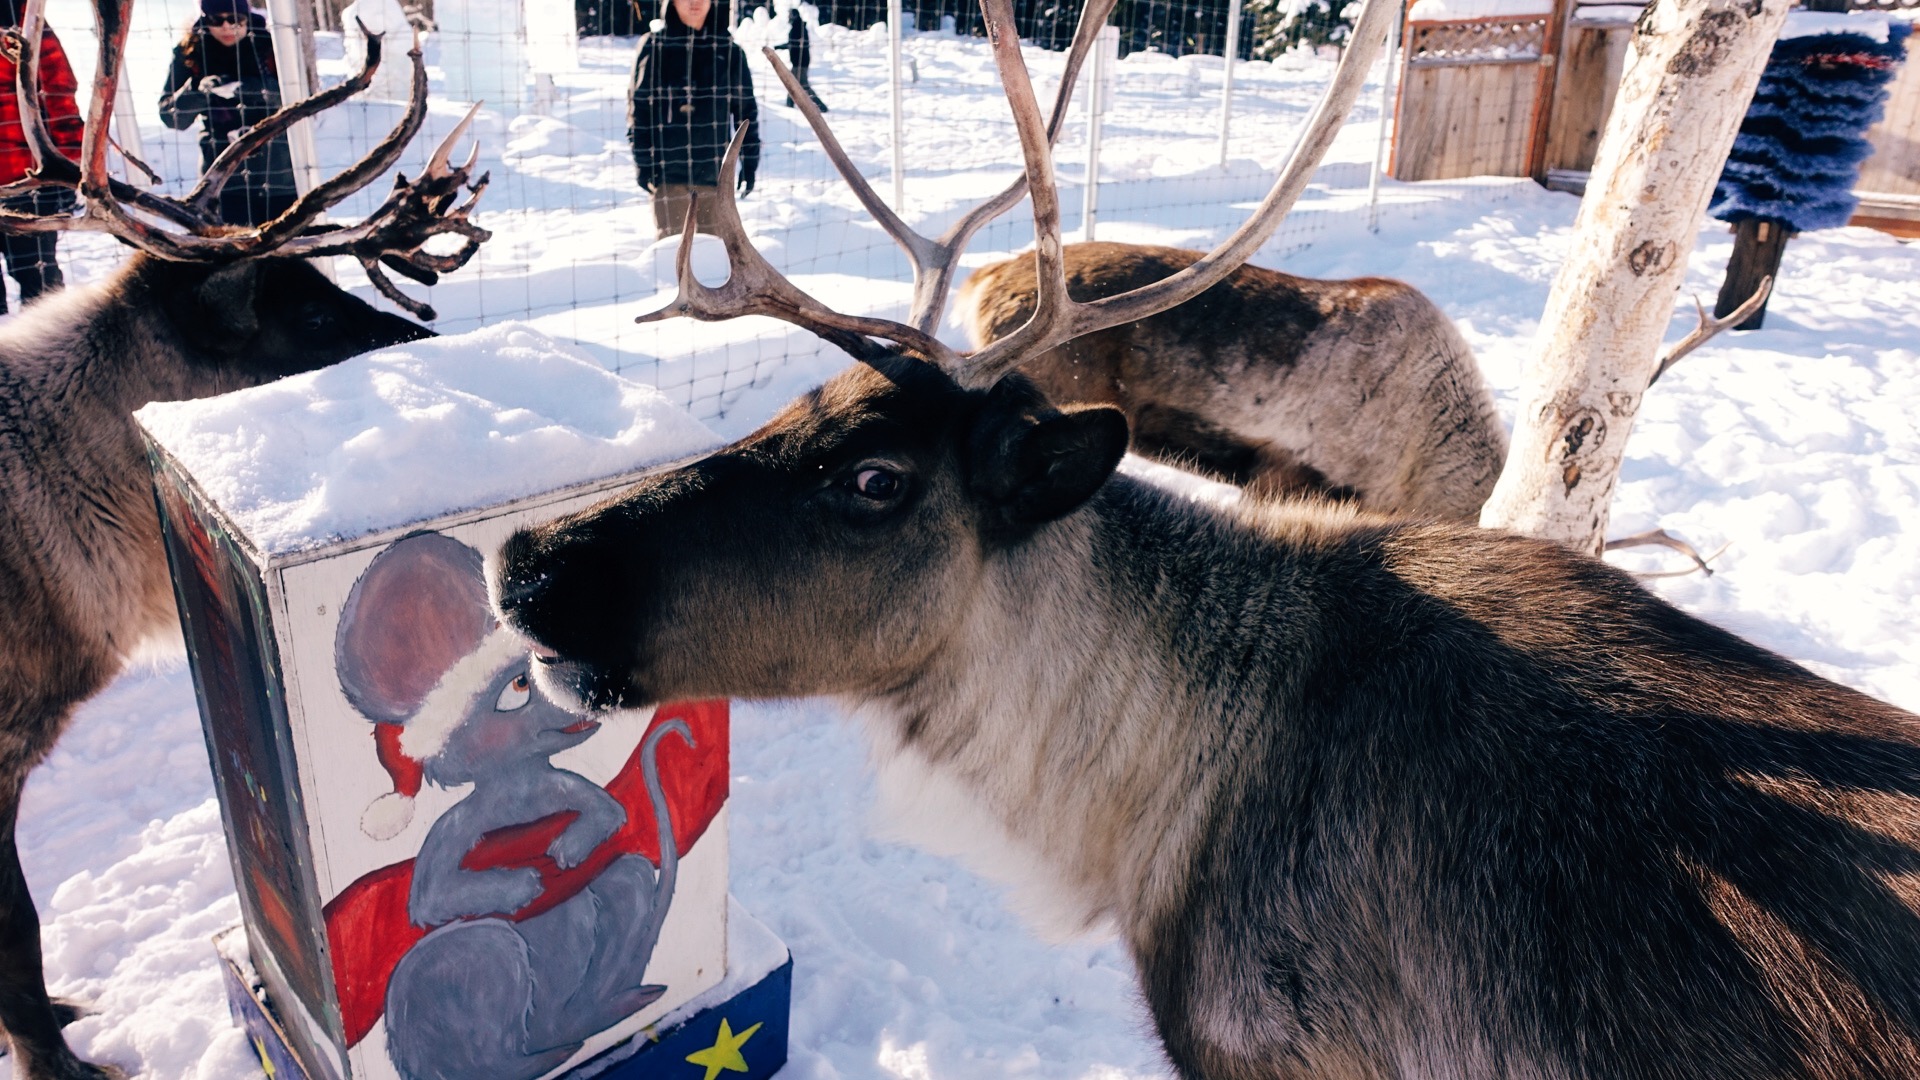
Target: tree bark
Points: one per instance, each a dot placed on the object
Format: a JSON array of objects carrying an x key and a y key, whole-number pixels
[
  {"x": 1758, "y": 246},
  {"x": 1690, "y": 74}
]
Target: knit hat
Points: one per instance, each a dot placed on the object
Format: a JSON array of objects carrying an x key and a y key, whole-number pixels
[
  {"x": 416, "y": 641},
  {"x": 211, "y": 8}
]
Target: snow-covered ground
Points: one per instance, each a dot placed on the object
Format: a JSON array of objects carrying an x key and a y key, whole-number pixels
[{"x": 1796, "y": 445}]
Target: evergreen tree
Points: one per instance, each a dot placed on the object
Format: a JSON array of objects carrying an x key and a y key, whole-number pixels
[{"x": 1279, "y": 25}]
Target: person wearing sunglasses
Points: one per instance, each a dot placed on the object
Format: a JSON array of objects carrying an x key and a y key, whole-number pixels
[{"x": 224, "y": 77}]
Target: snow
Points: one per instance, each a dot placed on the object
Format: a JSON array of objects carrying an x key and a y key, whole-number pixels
[
  {"x": 1608, "y": 12},
  {"x": 1457, "y": 10},
  {"x": 337, "y": 453},
  {"x": 1798, "y": 445},
  {"x": 1869, "y": 24}
]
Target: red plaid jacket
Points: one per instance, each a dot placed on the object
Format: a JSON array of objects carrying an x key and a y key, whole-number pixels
[{"x": 58, "y": 90}]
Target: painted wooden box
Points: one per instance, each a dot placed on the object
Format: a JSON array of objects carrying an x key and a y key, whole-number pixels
[
  {"x": 736, "y": 1030},
  {"x": 443, "y": 874}
]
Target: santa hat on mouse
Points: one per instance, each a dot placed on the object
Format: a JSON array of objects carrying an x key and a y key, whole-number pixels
[{"x": 415, "y": 644}]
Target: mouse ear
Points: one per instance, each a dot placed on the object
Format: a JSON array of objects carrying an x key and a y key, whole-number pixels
[{"x": 420, "y": 607}]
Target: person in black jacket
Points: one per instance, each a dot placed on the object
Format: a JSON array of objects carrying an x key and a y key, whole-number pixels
[
  {"x": 800, "y": 54},
  {"x": 690, "y": 89},
  {"x": 224, "y": 76}
]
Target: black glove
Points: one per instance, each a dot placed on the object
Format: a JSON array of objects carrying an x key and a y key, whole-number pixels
[
  {"x": 746, "y": 180},
  {"x": 649, "y": 179},
  {"x": 185, "y": 106}
]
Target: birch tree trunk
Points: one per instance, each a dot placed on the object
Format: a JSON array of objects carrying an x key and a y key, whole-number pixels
[{"x": 1690, "y": 73}]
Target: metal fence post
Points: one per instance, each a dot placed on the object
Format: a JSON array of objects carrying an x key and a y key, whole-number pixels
[
  {"x": 1106, "y": 51},
  {"x": 897, "y": 96},
  {"x": 1226, "y": 83},
  {"x": 298, "y": 80},
  {"x": 126, "y": 130},
  {"x": 1386, "y": 118}
]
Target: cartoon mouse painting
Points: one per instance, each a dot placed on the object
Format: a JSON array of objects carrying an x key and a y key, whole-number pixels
[{"x": 529, "y": 927}]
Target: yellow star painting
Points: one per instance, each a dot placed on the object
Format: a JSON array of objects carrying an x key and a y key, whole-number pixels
[{"x": 725, "y": 1051}]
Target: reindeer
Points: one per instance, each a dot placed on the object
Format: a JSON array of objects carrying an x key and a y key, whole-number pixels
[
  {"x": 200, "y": 309},
  {"x": 1285, "y": 385},
  {"x": 1363, "y": 796}
]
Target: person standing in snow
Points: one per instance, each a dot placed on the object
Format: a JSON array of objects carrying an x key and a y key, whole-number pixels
[
  {"x": 224, "y": 76},
  {"x": 800, "y": 54},
  {"x": 690, "y": 89},
  {"x": 31, "y": 258}
]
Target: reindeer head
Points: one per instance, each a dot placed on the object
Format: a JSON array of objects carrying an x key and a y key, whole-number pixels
[
  {"x": 828, "y": 552},
  {"x": 193, "y": 264},
  {"x": 839, "y": 546},
  {"x": 257, "y": 320}
]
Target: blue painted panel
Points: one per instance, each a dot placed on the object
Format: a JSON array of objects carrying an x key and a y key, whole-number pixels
[{"x": 702, "y": 1049}]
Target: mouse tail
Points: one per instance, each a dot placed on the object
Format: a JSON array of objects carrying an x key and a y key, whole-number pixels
[{"x": 662, "y": 816}]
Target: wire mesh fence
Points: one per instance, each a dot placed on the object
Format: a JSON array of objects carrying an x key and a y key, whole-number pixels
[{"x": 576, "y": 252}]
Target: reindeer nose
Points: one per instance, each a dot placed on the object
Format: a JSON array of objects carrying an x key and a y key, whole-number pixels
[
  {"x": 523, "y": 579},
  {"x": 559, "y": 590}
]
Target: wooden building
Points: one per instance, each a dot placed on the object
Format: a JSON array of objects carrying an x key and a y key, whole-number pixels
[{"x": 1525, "y": 87}]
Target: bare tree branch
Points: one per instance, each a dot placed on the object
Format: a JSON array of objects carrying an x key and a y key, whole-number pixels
[
  {"x": 1710, "y": 326},
  {"x": 1662, "y": 538}
]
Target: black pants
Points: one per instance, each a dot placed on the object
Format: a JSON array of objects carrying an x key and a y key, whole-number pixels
[
  {"x": 800, "y": 73},
  {"x": 31, "y": 257}
]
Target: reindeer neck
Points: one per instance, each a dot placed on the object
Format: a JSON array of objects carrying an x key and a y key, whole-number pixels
[
  {"x": 77, "y": 364},
  {"x": 1063, "y": 738},
  {"x": 104, "y": 345}
]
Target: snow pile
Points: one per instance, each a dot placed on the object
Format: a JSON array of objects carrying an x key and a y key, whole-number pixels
[
  {"x": 1607, "y": 13},
  {"x": 1458, "y": 10},
  {"x": 415, "y": 432}
]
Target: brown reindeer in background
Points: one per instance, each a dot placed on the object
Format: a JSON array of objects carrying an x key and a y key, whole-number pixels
[
  {"x": 200, "y": 309},
  {"x": 1363, "y": 796},
  {"x": 1285, "y": 385}
]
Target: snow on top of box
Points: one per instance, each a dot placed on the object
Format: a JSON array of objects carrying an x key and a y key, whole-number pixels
[
  {"x": 1871, "y": 24},
  {"x": 415, "y": 432},
  {"x": 1453, "y": 10}
]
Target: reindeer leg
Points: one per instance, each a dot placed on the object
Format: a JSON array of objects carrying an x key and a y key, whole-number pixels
[{"x": 31, "y": 1019}]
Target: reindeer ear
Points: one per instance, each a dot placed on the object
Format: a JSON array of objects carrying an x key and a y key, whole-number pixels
[
  {"x": 1037, "y": 463},
  {"x": 216, "y": 312},
  {"x": 419, "y": 609}
]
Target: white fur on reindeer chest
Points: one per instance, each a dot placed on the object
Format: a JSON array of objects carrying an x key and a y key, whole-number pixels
[
  {"x": 1034, "y": 747},
  {"x": 443, "y": 874}
]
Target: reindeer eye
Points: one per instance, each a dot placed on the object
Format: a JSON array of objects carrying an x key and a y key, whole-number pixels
[
  {"x": 516, "y": 695},
  {"x": 313, "y": 319},
  {"x": 877, "y": 483}
]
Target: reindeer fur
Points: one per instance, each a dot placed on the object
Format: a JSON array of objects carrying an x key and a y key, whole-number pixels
[
  {"x": 1359, "y": 389},
  {"x": 1364, "y": 797},
  {"x": 82, "y": 568}
]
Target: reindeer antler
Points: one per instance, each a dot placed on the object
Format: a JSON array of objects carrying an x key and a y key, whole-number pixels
[
  {"x": 756, "y": 288},
  {"x": 394, "y": 235},
  {"x": 1709, "y": 327},
  {"x": 934, "y": 261}
]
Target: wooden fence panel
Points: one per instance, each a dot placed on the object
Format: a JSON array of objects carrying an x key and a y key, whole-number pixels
[
  {"x": 1467, "y": 98},
  {"x": 1894, "y": 168},
  {"x": 1592, "y": 56}
]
